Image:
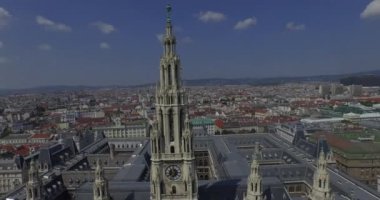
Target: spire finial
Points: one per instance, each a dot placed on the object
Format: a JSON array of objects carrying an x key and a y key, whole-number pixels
[{"x": 168, "y": 12}]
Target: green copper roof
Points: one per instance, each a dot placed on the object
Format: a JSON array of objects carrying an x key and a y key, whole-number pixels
[
  {"x": 360, "y": 151},
  {"x": 202, "y": 121}
]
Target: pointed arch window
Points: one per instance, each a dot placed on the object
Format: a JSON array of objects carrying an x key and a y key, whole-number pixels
[
  {"x": 181, "y": 118},
  {"x": 162, "y": 190},
  {"x": 169, "y": 75},
  {"x": 193, "y": 186},
  {"x": 171, "y": 125},
  {"x": 174, "y": 190}
]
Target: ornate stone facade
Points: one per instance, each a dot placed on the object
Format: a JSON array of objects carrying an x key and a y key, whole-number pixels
[
  {"x": 34, "y": 184},
  {"x": 173, "y": 173},
  {"x": 254, "y": 182},
  {"x": 321, "y": 181}
]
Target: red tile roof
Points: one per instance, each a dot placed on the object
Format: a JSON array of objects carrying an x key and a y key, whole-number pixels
[{"x": 41, "y": 136}]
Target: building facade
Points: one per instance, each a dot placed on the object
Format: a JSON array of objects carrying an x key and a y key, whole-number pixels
[
  {"x": 135, "y": 129},
  {"x": 206, "y": 123}
]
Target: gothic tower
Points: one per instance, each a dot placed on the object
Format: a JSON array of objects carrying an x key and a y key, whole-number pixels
[
  {"x": 173, "y": 173},
  {"x": 34, "y": 184},
  {"x": 254, "y": 183},
  {"x": 321, "y": 180},
  {"x": 100, "y": 184}
]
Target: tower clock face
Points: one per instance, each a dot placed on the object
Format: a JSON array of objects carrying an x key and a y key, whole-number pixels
[{"x": 173, "y": 172}]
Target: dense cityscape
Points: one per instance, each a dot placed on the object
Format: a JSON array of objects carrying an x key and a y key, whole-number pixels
[{"x": 296, "y": 140}]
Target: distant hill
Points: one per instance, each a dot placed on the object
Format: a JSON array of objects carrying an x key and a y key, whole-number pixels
[
  {"x": 46, "y": 89},
  {"x": 346, "y": 78},
  {"x": 277, "y": 80},
  {"x": 365, "y": 80}
]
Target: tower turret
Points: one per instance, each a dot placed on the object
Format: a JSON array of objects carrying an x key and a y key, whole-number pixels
[
  {"x": 321, "y": 180},
  {"x": 254, "y": 182},
  {"x": 34, "y": 184}
]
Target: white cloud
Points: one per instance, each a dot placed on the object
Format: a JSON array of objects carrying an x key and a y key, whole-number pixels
[
  {"x": 51, "y": 25},
  {"x": 104, "y": 27},
  {"x": 104, "y": 45},
  {"x": 1, "y": 44},
  {"x": 160, "y": 37},
  {"x": 372, "y": 10},
  {"x": 292, "y": 26},
  {"x": 211, "y": 16},
  {"x": 45, "y": 47},
  {"x": 3, "y": 60},
  {"x": 4, "y": 17},
  {"x": 246, "y": 23}
]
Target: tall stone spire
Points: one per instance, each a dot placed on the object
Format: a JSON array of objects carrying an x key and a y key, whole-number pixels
[
  {"x": 34, "y": 184},
  {"x": 169, "y": 39},
  {"x": 321, "y": 180},
  {"x": 173, "y": 173},
  {"x": 100, "y": 184},
  {"x": 254, "y": 182}
]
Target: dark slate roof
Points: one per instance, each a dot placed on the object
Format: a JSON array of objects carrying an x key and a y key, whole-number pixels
[
  {"x": 306, "y": 146},
  {"x": 53, "y": 190},
  {"x": 218, "y": 190},
  {"x": 137, "y": 167},
  {"x": 119, "y": 190}
]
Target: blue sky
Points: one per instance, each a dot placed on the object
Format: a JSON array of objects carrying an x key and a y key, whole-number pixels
[{"x": 108, "y": 42}]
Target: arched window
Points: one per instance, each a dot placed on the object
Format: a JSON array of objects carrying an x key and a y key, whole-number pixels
[
  {"x": 193, "y": 186},
  {"x": 161, "y": 121},
  {"x": 171, "y": 125},
  {"x": 172, "y": 149},
  {"x": 174, "y": 190},
  {"x": 162, "y": 188},
  {"x": 181, "y": 120},
  {"x": 169, "y": 75}
]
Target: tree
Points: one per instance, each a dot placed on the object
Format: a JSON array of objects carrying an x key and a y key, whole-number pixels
[
  {"x": 40, "y": 111},
  {"x": 7, "y": 131}
]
